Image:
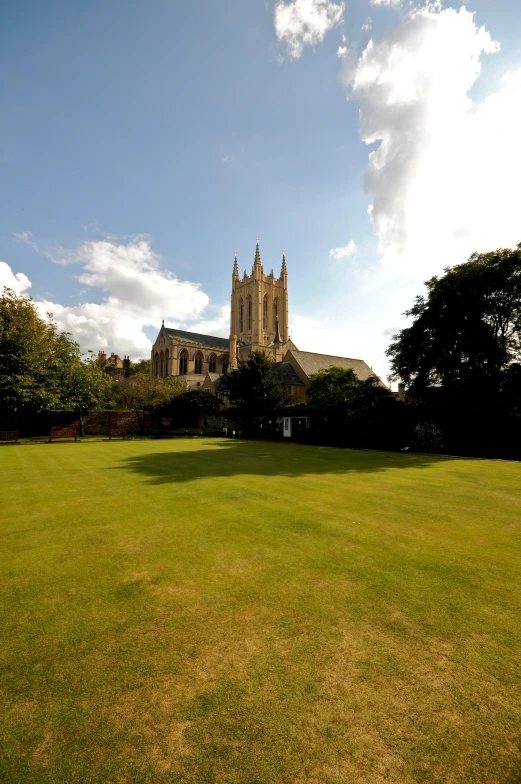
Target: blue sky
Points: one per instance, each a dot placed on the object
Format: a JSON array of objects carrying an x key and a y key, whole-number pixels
[{"x": 141, "y": 144}]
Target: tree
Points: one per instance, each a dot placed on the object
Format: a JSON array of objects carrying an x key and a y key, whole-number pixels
[
  {"x": 87, "y": 388},
  {"x": 141, "y": 366},
  {"x": 461, "y": 356},
  {"x": 143, "y": 394},
  {"x": 466, "y": 331},
  {"x": 343, "y": 401},
  {"x": 34, "y": 358},
  {"x": 253, "y": 388},
  {"x": 189, "y": 407}
]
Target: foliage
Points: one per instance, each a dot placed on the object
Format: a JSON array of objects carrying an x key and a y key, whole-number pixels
[
  {"x": 86, "y": 388},
  {"x": 188, "y": 408},
  {"x": 142, "y": 394},
  {"x": 253, "y": 388},
  {"x": 467, "y": 329},
  {"x": 141, "y": 366},
  {"x": 31, "y": 356},
  {"x": 347, "y": 406},
  {"x": 427, "y": 437}
]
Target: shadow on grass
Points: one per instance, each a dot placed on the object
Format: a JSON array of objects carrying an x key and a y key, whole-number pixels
[{"x": 232, "y": 458}]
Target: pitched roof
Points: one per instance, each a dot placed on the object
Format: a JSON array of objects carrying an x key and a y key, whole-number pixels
[
  {"x": 195, "y": 337},
  {"x": 312, "y": 363},
  {"x": 287, "y": 374}
]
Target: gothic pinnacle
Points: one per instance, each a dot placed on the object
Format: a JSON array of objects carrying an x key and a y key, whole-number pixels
[
  {"x": 235, "y": 267},
  {"x": 283, "y": 269},
  {"x": 257, "y": 253}
]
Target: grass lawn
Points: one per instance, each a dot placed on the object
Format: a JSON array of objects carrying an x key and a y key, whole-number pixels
[{"x": 215, "y": 611}]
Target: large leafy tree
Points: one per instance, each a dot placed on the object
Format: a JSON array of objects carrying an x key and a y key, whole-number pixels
[
  {"x": 35, "y": 359},
  {"x": 141, "y": 366},
  {"x": 352, "y": 411},
  {"x": 253, "y": 388},
  {"x": 142, "y": 394},
  {"x": 191, "y": 406},
  {"x": 86, "y": 388},
  {"x": 466, "y": 331},
  {"x": 339, "y": 395}
]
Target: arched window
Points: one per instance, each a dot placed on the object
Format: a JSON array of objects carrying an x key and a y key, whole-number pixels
[
  {"x": 167, "y": 366},
  {"x": 183, "y": 362},
  {"x": 161, "y": 362},
  {"x": 241, "y": 316},
  {"x": 212, "y": 363},
  {"x": 265, "y": 313},
  {"x": 275, "y": 311},
  {"x": 226, "y": 363},
  {"x": 249, "y": 313},
  {"x": 198, "y": 362},
  {"x": 156, "y": 370}
]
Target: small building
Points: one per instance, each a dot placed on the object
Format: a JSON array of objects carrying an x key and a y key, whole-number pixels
[{"x": 113, "y": 365}]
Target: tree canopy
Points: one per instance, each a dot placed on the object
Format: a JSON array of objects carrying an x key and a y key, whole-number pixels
[
  {"x": 339, "y": 396},
  {"x": 188, "y": 408},
  {"x": 466, "y": 331},
  {"x": 253, "y": 388},
  {"x": 142, "y": 394},
  {"x": 86, "y": 388}
]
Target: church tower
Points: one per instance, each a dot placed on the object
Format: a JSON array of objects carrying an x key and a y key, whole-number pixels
[{"x": 259, "y": 311}]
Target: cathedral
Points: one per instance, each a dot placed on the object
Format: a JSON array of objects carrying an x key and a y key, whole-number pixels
[{"x": 259, "y": 321}]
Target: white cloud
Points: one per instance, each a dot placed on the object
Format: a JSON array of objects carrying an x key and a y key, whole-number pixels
[
  {"x": 139, "y": 294},
  {"x": 301, "y": 23},
  {"x": 341, "y": 338},
  {"x": 445, "y": 175},
  {"x": 385, "y": 2},
  {"x": 16, "y": 281},
  {"x": 344, "y": 253},
  {"x": 367, "y": 25},
  {"x": 219, "y": 325}
]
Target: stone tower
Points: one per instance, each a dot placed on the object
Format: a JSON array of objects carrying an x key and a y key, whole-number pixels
[{"x": 259, "y": 311}]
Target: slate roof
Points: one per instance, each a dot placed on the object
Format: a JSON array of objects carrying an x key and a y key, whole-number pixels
[
  {"x": 217, "y": 382},
  {"x": 287, "y": 374},
  {"x": 312, "y": 363},
  {"x": 195, "y": 337}
]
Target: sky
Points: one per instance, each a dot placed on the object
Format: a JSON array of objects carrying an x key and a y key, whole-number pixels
[{"x": 142, "y": 144}]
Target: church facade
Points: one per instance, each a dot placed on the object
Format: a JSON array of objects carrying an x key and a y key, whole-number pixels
[{"x": 259, "y": 321}]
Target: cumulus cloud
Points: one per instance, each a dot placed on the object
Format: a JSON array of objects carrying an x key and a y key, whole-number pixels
[
  {"x": 301, "y": 23},
  {"x": 137, "y": 293},
  {"x": 16, "y": 281},
  {"x": 367, "y": 25},
  {"x": 344, "y": 253},
  {"x": 444, "y": 177}
]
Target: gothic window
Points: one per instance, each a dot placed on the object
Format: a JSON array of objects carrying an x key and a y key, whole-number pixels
[
  {"x": 161, "y": 362},
  {"x": 166, "y": 362},
  {"x": 183, "y": 363},
  {"x": 241, "y": 316},
  {"x": 212, "y": 363},
  {"x": 198, "y": 362},
  {"x": 265, "y": 313},
  {"x": 275, "y": 311},
  {"x": 249, "y": 313},
  {"x": 226, "y": 363},
  {"x": 156, "y": 370}
]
